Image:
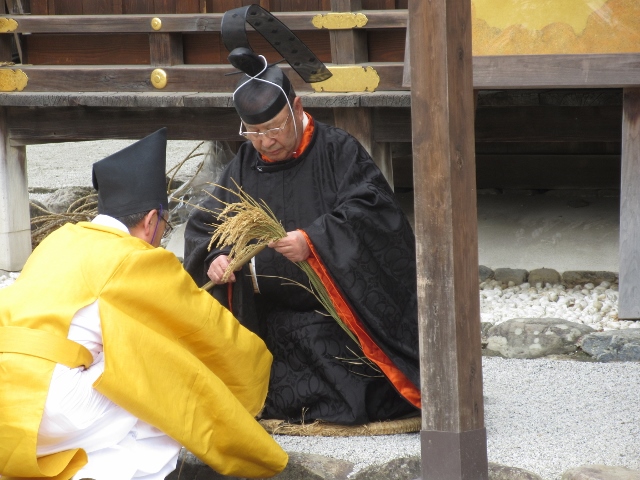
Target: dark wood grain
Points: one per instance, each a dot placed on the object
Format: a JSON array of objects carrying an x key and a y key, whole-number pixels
[
  {"x": 166, "y": 49},
  {"x": 122, "y": 48},
  {"x": 629, "y": 300},
  {"x": 446, "y": 237}
]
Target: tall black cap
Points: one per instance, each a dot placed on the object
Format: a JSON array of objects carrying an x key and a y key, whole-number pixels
[
  {"x": 259, "y": 99},
  {"x": 133, "y": 180}
]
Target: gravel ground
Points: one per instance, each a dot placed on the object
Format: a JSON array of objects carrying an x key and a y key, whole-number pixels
[{"x": 542, "y": 415}]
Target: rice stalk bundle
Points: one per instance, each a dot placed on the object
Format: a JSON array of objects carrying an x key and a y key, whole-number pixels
[{"x": 247, "y": 226}]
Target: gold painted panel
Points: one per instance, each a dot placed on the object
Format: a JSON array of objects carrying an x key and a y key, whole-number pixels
[{"x": 537, "y": 27}]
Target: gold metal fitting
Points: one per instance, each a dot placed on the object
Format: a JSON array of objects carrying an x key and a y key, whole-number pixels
[
  {"x": 12, "y": 80},
  {"x": 159, "y": 78},
  {"x": 7, "y": 25},
  {"x": 349, "y": 78},
  {"x": 156, "y": 23},
  {"x": 340, "y": 21}
]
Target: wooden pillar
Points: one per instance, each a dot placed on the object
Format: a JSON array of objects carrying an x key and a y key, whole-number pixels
[
  {"x": 453, "y": 436},
  {"x": 15, "y": 229},
  {"x": 629, "y": 299},
  {"x": 350, "y": 47}
]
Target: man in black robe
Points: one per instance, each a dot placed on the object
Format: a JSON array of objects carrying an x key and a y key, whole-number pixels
[{"x": 339, "y": 212}]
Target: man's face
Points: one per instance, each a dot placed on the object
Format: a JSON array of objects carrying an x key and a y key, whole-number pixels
[{"x": 282, "y": 146}]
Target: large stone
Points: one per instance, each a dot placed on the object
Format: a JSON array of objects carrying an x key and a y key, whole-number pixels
[
  {"x": 572, "y": 278},
  {"x": 301, "y": 466},
  {"x": 544, "y": 276},
  {"x": 535, "y": 337},
  {"x": 484, "y": 273},
  {"x": 601, "y": 472},
  {"x": 502, "y": 472},
  {"x": 613, "y": 345},
  {"x": 60, "y": 200},
  {"x": 505, "y": 275},
  {"x": 409, "y": 468}
]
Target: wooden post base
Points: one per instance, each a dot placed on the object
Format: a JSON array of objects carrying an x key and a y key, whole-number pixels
[{"x": 454, "y": 456}]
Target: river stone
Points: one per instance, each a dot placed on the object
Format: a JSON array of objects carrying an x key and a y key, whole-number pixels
[
  {"x": 301, "y": 466},
  {"x": 601, "y": 472},
  {"x": 544, "y": 276},
  {"x": 502, "y": 472},
  {"x": 572, "y": 278},
  {"x": 505, "y": 275},
  {"x": 613, "y": 345},
  {"x": 484, "y": 273},
  {"x": 60, "y": 200},
  {"x": 535, "y": 337}
]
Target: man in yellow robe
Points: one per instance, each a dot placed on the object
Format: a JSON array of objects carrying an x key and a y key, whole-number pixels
[{"x": 111, "y": 357}]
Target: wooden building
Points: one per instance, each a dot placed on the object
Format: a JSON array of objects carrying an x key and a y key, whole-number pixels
[{"x": 558, "y": 87}]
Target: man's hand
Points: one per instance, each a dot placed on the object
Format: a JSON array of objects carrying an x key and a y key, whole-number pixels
[
  {"x": 217, "y": 269},
  {"x": 293, "y": 246}
]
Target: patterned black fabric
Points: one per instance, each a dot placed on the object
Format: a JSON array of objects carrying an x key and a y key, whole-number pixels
[{"x": 337, "y": 195}]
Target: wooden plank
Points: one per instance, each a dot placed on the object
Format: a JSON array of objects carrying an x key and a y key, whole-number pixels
[
  {"x": 557, "y": 71},
  {"x": 629, "y": 300},
  {"x": 203, "y": 48},
  {"x": 100, "y": 7},
  {"x": 348, "y": 46},
  {"x": 5, "y": 48},
  {"x": 67, "y": 7},
  {"x": 140, "y": 12},
  {"x": 188, "y": 6},
  {"x": 622, "y": 71},
  {"x": 130, "y": 7},
  {"x": 15, "y": 230},
  {"x": 386, "y": 45},
  {"x": 121, "y": 48},
  {"x": 39, "y": 7},
  {"x": 165, "y": 49},
  {"x": 164, "y": 6},
  {"x": 453, "y": 437},
  {"x": 518, "y": 124}
]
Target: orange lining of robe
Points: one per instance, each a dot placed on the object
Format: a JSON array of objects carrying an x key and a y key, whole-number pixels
[
  {"x": 369, "y": 347},
  {"x": 304, "y": 143}
]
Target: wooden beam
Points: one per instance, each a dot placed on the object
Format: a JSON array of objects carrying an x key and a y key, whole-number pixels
[
  {"x": 70, "y": 124},
  {"x": 453, "y": 437},
  {"x": 15, "y": 229},
  {"x": 165, "y": 49},
  {"x": 186, "y": 22},
  {"x": 629, "y": 300},
  {"x": 518, "y": 124},
  {"x": 593, "y": 71}
]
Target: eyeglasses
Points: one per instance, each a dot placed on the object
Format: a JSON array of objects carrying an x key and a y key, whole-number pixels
[
  {"x": 270, "y": 133},
  {"x": 167, "y": 229}
]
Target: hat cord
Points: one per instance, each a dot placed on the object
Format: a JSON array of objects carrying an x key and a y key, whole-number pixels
[{"x": 255, "y": 77}]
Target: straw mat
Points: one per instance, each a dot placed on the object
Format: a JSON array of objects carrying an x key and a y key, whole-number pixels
[{"x": 325, "y": 429}]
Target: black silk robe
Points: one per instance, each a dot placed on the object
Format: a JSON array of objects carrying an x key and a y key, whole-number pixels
[{"x": 336, "y": 194}]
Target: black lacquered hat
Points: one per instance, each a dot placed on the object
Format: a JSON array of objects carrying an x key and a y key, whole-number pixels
[
  {"x": 133, "y": 180},
  {"x": 264, "y": 89}
]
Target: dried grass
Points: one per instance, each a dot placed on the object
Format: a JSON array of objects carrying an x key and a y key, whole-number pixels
[{"x": 326, "y": 429}]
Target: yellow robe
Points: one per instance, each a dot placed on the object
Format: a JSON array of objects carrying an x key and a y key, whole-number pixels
[{"x": 174, "y": 357}]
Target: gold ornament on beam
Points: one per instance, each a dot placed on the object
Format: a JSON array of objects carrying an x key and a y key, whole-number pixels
[
  {"x": 7, "y": 25},
  {"x": 12, "y": 80},
  {"x": 156, "y": 23},
  {"x": 340, "y": 21},
  {"x": 349, "y": 78},
  {"x": 159, "y": 78}
]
